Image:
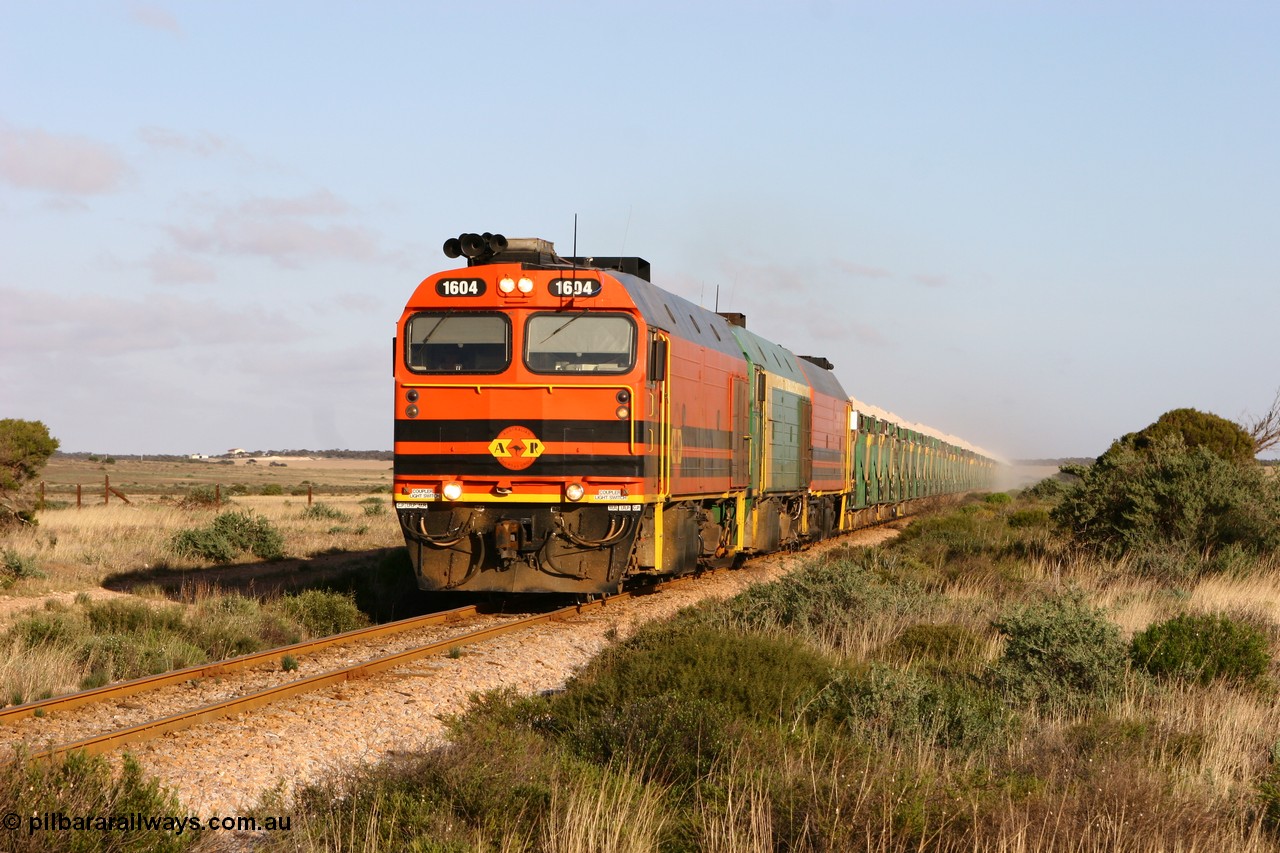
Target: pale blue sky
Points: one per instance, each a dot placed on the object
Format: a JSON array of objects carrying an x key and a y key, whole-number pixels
[{"x": 1034, "y": 225}]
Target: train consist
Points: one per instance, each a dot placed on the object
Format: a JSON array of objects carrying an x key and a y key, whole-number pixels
[{"x": 562, "y": 425}]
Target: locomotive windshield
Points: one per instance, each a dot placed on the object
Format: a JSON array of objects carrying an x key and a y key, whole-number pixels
[
  {"x": 450, "y": 342},
  {"x": 579, "y": 342}
]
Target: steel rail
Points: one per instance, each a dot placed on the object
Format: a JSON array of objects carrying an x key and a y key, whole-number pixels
[
  {"x": 218, "y": 668},
  {"x": 251, "y": 701}
]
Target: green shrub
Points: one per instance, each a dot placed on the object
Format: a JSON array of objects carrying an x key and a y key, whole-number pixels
[
  {"x": 1034, "y": 517},
  {"x": 79, "y": 786},
  {"x": 1202, "y": 648},
  {"x": 126, "y": 616},
  {"x": 943, "y": 643},
  {"x": 15, "y": 567},
  {"x": 1172, "y": 499},
  {"x": 838, "y": 591},
  {"x": 1048, "y": 489},
  {"x": 252, "y": 533},
  {"x": 668, "y": 696},
  {"x": 997, "y": 499},
  {"x": 1060, "y": 652},
  {"x": 123, "y": 638},
  {"x": 891, "y": 703},
  {"x": 1193, "y": 429},
  {"x": 228, "y": 536},
  {"x": 273, "y": 490},
  {"x": 237, "y": 489},
  {"x": 204, "y": 543},
  {"x": 38, "y": 629},
  {"x": 677, "y": 738},
  {"x": 323, "y": 613},
  {"x": 25, "y": 448},
  {"x": 971, "y": 531},
  {"x": 374, "y": 506},
  {"x": 200, "y": 497},
  {"x": 231, "y": 625},
  {"x": 322, "y": 511},
  {"x": 114, "y": 657},
  {"x": 752, "y": 676}
]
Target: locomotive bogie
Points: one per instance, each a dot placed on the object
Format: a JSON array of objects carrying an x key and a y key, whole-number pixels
[{"x": 526, "y": 548}]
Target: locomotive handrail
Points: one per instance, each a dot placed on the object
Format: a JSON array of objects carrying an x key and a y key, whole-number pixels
[{"x": 664, "y": 484}]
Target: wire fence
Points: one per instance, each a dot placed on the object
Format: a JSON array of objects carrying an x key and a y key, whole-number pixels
[{"x": 107, "y": 491}]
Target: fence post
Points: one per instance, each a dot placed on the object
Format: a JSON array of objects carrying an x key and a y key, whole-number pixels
[
  {"x": 308, "y": 495},
  {"x": 217, "y": 494},
  {"x": 106, "y": 490},
  {"x": 78, "y": 504}
]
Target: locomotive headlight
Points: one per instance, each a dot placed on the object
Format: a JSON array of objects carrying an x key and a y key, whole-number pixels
[
  {"x": 574, "y": 491},
  {"x": 525, "y": 285},
  {"x": 623, "y": 396},
  {"x": 622, "y": 412},
  {"x": 411, "y": 412},
  {"x": 411, "y": 395},
  {"x": 507, "y": 284},
  {"x": 452, "y": 491}
]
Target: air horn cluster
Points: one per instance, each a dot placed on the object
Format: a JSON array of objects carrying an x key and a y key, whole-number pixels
[{"x": 477, "y": 247}]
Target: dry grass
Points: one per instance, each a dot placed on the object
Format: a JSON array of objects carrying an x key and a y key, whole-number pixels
[
  {"x": 1257, "y": 595},
  {"x": 28, "y": 674},
  {"x": 745, "y": 825},
  {"x": 1214, "y": 741},
  {"x": 77, "y": 549},
  {"x": 614, "y": 814}
]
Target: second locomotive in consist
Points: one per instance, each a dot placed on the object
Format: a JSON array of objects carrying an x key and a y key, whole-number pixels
[{"x": 564, "y": 424}]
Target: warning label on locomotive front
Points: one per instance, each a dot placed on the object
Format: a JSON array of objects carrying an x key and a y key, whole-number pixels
[
  {"x": 625, "y": 507},
  {"x": 609, "y": 495}
]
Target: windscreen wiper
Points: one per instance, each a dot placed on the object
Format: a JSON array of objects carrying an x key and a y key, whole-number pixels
[
  {"x": 439, "y": 322},
  {"x": 562, "y": 326}
]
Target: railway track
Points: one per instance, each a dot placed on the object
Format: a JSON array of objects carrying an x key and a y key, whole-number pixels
[{"x": 152, "y": 728}]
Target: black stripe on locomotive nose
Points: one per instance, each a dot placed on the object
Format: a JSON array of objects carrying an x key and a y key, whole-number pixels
[
  {"x": 425, "y": 429},
  {"x": 547, "y": 465}
]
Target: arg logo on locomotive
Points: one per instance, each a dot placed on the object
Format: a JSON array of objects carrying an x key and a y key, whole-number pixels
[{"x": 516, "y": 447}]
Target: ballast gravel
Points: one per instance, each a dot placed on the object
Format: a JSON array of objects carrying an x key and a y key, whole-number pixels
[{"x": 224, "y": 767}]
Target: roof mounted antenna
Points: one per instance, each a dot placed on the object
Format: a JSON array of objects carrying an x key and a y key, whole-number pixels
[{"x": 575, "y": 245}]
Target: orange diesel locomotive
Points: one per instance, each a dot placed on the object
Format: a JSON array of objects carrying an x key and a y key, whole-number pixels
[{"x": 564, "y": 424}]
